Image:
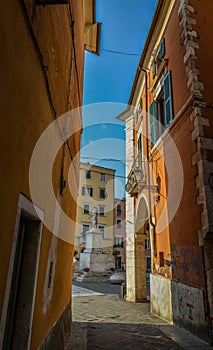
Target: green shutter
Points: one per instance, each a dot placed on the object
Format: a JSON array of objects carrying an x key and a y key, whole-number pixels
[
  {"x": 140, "y": 152},
  {"x": 154, "y": 69},
  {"x": 162, "y": 48},
  {"x": 152, "y": 111},
  {"x": 167, "y": 87}
]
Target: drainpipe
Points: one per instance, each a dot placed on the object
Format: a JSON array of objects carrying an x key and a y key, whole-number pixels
[{"x": 148, "y": 165}]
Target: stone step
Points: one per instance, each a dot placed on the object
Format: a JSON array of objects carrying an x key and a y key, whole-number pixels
[{"x": 93, "y": 277}]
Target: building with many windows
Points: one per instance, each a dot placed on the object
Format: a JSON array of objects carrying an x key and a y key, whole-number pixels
[
  {"x": 169, "y": 128},
  {"x": 96, "y": 192},
  {"x": 120, "y": 232}
]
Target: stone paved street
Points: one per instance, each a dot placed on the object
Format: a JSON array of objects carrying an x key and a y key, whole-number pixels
[{"x": 102, "y": 321}]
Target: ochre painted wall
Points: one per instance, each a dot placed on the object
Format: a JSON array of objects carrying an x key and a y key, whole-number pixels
[
  {"x": 95, "y": 201},
  {"x": 25, "y": 113},
  {"x": 178, "y": 242}
]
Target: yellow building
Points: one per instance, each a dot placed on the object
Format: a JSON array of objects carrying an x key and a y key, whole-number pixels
[
  {"x": 42, "y": 65},
  {"x": 96, "y": 192}
]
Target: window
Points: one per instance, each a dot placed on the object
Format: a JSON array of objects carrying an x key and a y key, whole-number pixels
[
  {"x": 88, "y": 174},
  {"x": 148, "y": 264},
  {"x": 102, "y": 229},
  {"x": 118, "y": 242},
  {"x": 118, "y": 223},
  {"x": 161, "y": 113},
  {"x": 119, "y": 210},
  {"x": 101, "y": 210},
  {"x": 86, "y": 208},
  {"x": 85, "y": 228},
  {"x": 87, "y": 191},
  {"x": 102, "y": 193},
  {"x": 140, "y": 151},
  {"x": 158, "y": 58},
  {"x": 161, "y": 258},
  {"x": 167, "y": 99},
  {"x": 102, "y": 177},
  {"x": 138, "y": 110},
  {"x": 147, "y": 244}
]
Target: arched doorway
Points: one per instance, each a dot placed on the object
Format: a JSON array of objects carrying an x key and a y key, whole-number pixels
[{"x": 140, "y": 250}]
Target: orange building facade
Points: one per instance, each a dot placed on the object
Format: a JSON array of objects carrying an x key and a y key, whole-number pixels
[
  {"x": 169, "y": 128},
  {"x": 42, "y": 65}
]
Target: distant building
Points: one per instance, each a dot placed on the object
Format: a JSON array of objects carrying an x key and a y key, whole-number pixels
[
  {"x": 120, "y": 231},
  {"x": 169, "y": 152},
  {"x": 96, "y": 192}
]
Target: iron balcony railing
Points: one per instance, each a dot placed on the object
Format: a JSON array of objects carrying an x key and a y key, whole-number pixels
[{"x": 136, "y": 177}]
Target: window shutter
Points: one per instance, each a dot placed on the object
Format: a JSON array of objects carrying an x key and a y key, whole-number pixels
[
  {"x": 152, "y": 111},
  {"x": 140, "y": 152},
  {"x": 162, "y": 48},
  {"x": 167, "y": 87},
  {"x": 153, "y": 69},
  {"x": 139, "y": 144},
  {"x": 83, "y": 191}
]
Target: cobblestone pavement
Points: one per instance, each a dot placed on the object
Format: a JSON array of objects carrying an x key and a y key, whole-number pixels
[{"x": 105, "y": 322}]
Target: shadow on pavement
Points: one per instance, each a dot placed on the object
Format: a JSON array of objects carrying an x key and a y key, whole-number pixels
[
  {"x": 100, "y": 287},
  {"x": 113, "y": 336}
]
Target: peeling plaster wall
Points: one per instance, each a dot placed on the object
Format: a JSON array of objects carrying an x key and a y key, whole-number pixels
[
  {"x": 160, "y": 297},
  {"x": 188, "y": 309}
]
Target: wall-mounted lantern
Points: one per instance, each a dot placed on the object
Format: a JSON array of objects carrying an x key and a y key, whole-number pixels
[
  {"x": 138, "y": 174},
  {"x": 51, "y": 2}
]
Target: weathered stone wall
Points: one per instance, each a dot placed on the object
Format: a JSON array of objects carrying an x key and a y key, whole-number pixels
[
  {"x": 188, "y": 309},
  {"x": 160, "y": 297},
  {"x": 59, "y": 334},
  {"x": 196, "y": 20}
]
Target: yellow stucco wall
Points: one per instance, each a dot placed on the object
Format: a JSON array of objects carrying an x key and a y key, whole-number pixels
[
  {"x": 94, "y": 201},
  {"x": 25, "y": 113}
]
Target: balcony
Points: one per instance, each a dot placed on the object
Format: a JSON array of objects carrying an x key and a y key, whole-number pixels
[{"x": 136, "y": 180}]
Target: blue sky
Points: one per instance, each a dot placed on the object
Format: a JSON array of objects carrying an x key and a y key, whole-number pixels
[{"x": 108, "y": 79}]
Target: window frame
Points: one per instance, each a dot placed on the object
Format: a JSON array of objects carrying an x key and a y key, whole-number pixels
[
  {"x": 101, "y": 227},
  {"x": 148, "y": 258},
  {"x": 104, "y": 176},
  {"x": 118, "y": 241},
  {"x": 100, "y": 212},
  {"x": 88, "y": 174},
  {"x": 118, "y": 211},
  {"x": 83, "y": 225},
  {"x": 119, "y": 223},
  {"x": 85, "y": 191},
  {"x": 85, "y": 211},
  {"x": 161, "y": 110},
  {"x": 147, "y": 244},
  {"x": 158, "y": 57},
  {"x": 138, "y": 110},
  {"x": 100, "y": 191}
]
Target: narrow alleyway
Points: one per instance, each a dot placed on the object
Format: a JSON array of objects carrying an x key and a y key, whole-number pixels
[{"x": 102, "y": 321}]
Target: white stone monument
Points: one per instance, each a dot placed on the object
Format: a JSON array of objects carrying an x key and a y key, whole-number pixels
[{"x": 94, "y": 256}]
